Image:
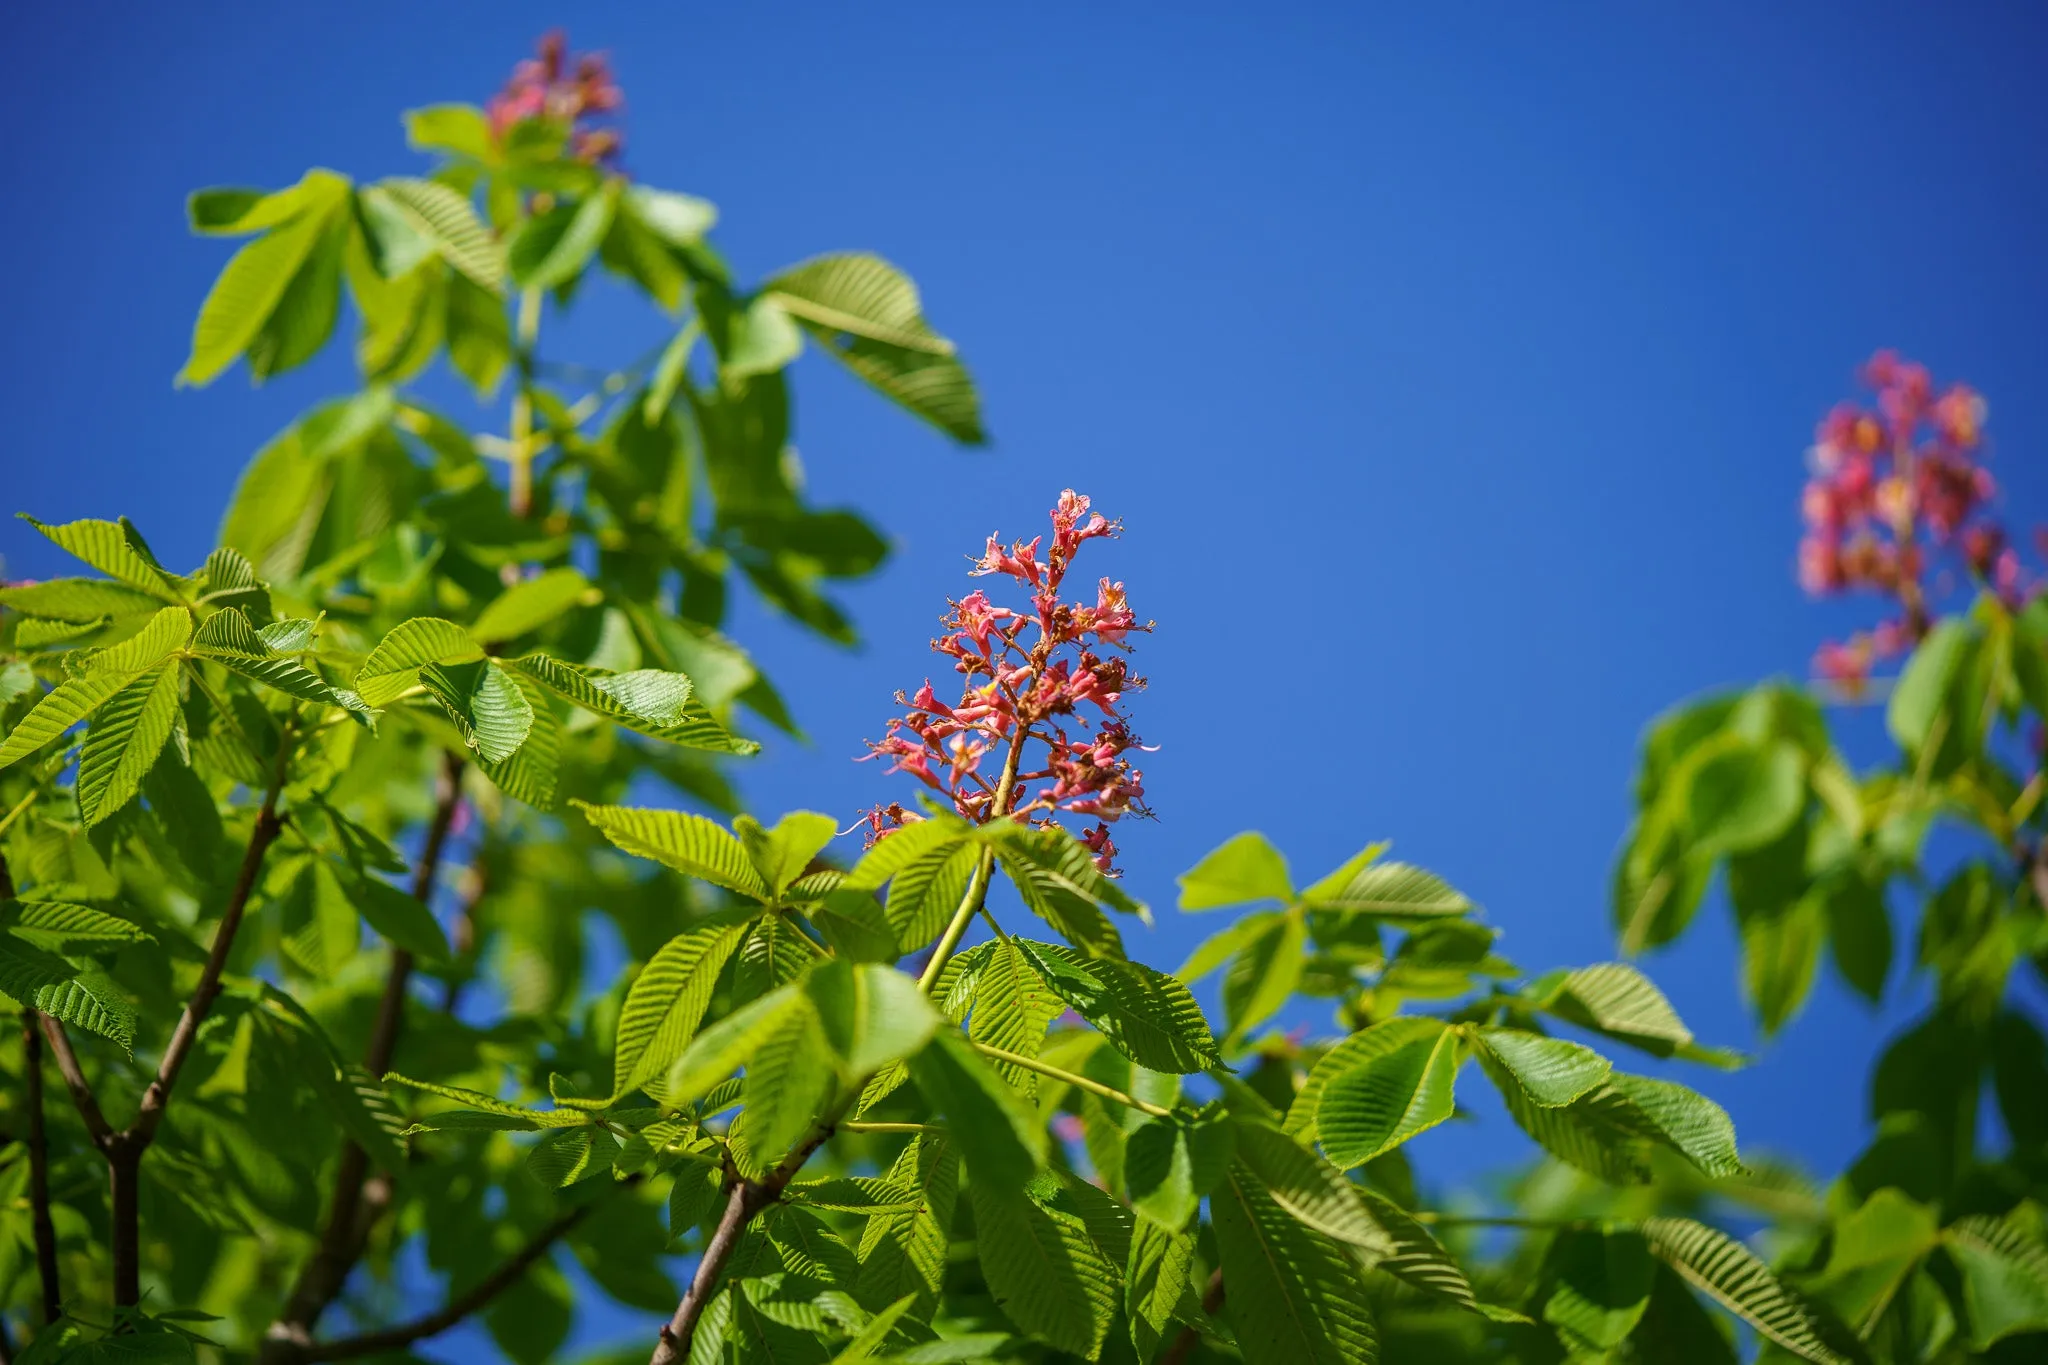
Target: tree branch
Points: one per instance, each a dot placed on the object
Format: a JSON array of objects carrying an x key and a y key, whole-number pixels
[
  {"x": 39, "y": 1170},
  {"x": 456, "y": 1309},
  {"x": 74, "y": 1080},
  {"x": 349, "y": 1214}
]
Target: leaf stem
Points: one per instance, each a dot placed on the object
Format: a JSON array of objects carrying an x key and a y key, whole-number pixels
[
  {"x": 854, "y": 1126},
  {"x": 522, "y": 403},
  {"x": 1079, "y": 1082},
  {"x": 984, "y": 871}
]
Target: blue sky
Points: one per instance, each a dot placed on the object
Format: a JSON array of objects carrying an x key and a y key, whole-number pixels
[{"x": 1451, "y": 367}]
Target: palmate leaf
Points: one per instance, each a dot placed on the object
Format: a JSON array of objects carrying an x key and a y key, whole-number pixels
[
  {"x": 1368, "y": 1044},
  {"x": 1615, "y": 999},
  {"x": 1158, "y": 1285},
  {"x": 781, "y": 854},
  {"x": 257, "y": 280},
  {"x": 688, "y": 843},
  {"x": 1244, "y": 869},
  {"x": 78, "y": 599},
  {"x": 448, "y": 221},
  {"x": 924, "y": 896},
  {"x": 1418, "y": 1259},
  {"x": 1732, "y": 1276},
  {"x": 724, "y": 1047},
  {"x": 530, "y": 604},
  {"x": 62, "y": 707},
  {"x": 393, "y": 667},
  {"x": 531, "y": 772},
  {"x": 647, "y": 701},
  {"x": 867, "y": 313},
  {"x": 1393, "y": 891},
  {"x": 2004, "y": 1277},
  {"x": 165, "y": 634},
  {"x": 228, "y": 638},
  {"x": 1043, "y": 1269},
  {"x": 551, "y": 248},
  {"x": 1552, "y": 1071},
  {"x": 789, "y": 1080},
  {"x": 1293, "y": 1297},
  {"x": 1171, "y": 1163},
  {"x": 903, "y": 1249},
  {"x": 60, "y": 925},
  {"x": 1000, "y": 1138},
  {"x": 1265, "y": 973},
  {"x": 1012, "y": 1007},
  {"x": 486, "y": 705},
  {"x": 1057, "y": 878},
  {"x": 509, "y": 1116},
  {"x": 1608, "y": 1130},
  {"x": 868, "y": 1015},
  {"x": 86, "y": 999},
  {"x": 401, "y": 917},
  {"x": 667, "y": 1002},
  {"x": 1308, "y": 1187},
  {"x": 1602, "y": 1279},
  {"x": 117, "y": 549},
  {"x": 1149, "y": 1017},
  {"x": 1376, "y": 1104},
  {"x": 127, "y": 734}
]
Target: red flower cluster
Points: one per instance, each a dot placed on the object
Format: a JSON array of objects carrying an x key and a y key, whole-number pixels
[
  {"x": 1028, "y": 674},
  {"x": 576, "y": 93},
  {"x": 1892, "y": 489}
]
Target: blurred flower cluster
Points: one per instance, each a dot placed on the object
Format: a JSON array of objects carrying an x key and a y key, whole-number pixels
[
  {"x": 1898, "y": 495},
  {"x": 576, "y": 90},
  {"x": 1027, "y": 677}
]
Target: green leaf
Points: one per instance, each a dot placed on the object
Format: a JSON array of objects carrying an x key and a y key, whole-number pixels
[
  {"x": 232, "y": 211},
  {"x": 1246, "y": 868},
  {"x": 1308, "y": 1187},
  {"x": 869, "y": 1014},
  {"x": 1265, "y": 974},
  {"x": 1923, "y": 686},
  {"x": 722, "y": 1048},
  {"x": 253, "y": 293},
  {"x": 647, "y": 701},
  {"x": 532, "y": 770},
  {"x": 167, "y": 633},
  {"x": 393, "y": 667},
  {"x": 866, "y": 312},
  {"x": 1013, "y": 1006},
  {"x": 1056, "y": 875},
  {"x": 1042, "y": 1268},
  {"x": 667, "y": 1002},
  {"x": 550, "y": 249},
  {"x": 1552, "y": 1071},
  {"x": 688, "y": 843},
  {"x": 1689, "y": 1123},
  {"x": 904, "y": 1250},
  {"x": 1391, "y": 891},
  {"x": 116, "y": 549},
  {"x": 58, "y": 710},
  {"x": 126, "y": 736},
  {"x": 530, "y": 604},
  {"x": 1149, "y": 1017},
  {"x": 1158, "y": 1285},
  {"x": 446, "y": 220},
  {"x": 678, "y": 219},
  {"x": 458, "y": 128},
  {"x": 1293, "y": 1296},
  {"x": 1726, "y": 1271},
  {"x": 1742, "y": 796},
  {"x": 1603, "y": 1279},
  {"x": 78, "y": 599},
  {"x": 227, "y": 638},
  {"x": 563, "y": 1158},
  {"x": 924, "y": 896},
  {"x": 789, "y": 1080},
  {"x": 1362, "y": 1048},
  {"x": 1217, "y": 949},
  {"x": 2004, "y": 1275},
  {"x": 1375, "y": 1105},
  {"x": 397, "y": 915},
  {"x": 84, "y": 999},
  {"x": 493, "y": 715},
  {"x": 781, "y": 854},
  {"x": 1619, "y": 1001},
  {"x": 1171, "y": 1163},
  {"x": 500, "y": 1115},
  {"x": 60, "y": 926},
  {"x": 1420, "y": 1260},
  {"x": 1001, "y": 1139}
]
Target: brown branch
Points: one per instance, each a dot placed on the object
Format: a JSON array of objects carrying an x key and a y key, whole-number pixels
[
  {"x": 74, "y": 1080},
  {"x": 357, "y": 1202},
  {"x": 1184, "y": 1344},
  {"x": 745, "y": 1201},
  {"x": 39, "y": 1170},
  {"x": 457, "y": 1308}
]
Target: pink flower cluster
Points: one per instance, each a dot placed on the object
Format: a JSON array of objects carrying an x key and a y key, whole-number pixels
[
  {"x": 1028, "y": 676},
  {"x": 577, "y": 93},
  {"x": 1893, "y": 489}
]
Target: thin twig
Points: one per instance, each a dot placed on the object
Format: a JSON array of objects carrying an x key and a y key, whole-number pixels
[
  {"x": 457, "y": 1308},
  {"x": 74, "y": 1080},
  {"x": 351, "y": 1211},
  {"x": 45, "y": 1232},
  {"x": 1079, "y": 1082}
]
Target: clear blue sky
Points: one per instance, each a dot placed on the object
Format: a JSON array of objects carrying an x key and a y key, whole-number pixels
[{"x": 1451, "y": 368}]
